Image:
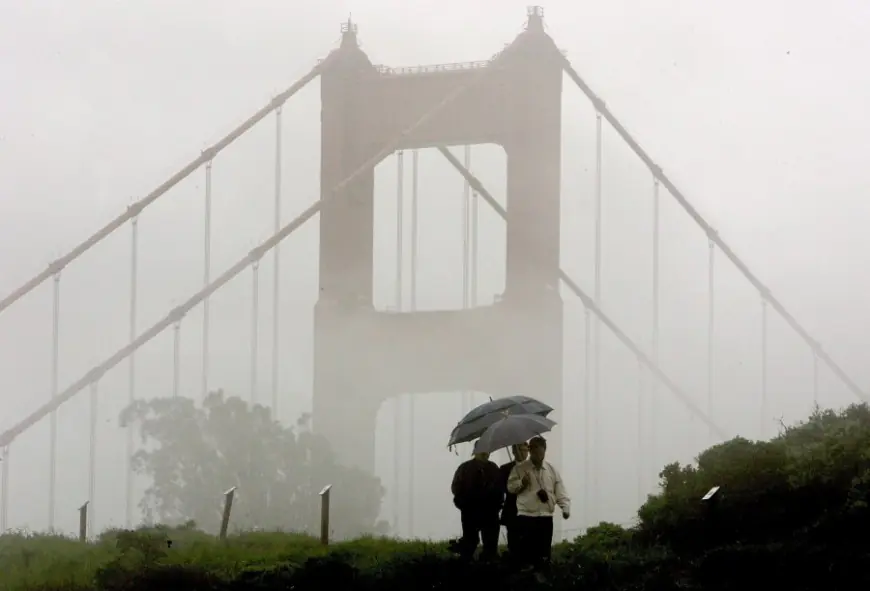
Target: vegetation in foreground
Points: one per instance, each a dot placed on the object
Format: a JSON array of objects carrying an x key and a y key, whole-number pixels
[{"x": 793, "y": 514}]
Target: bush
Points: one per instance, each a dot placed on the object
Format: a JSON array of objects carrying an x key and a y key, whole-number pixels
[
  {"x": 792, "y": 514},
  {"x": 812, "y": 480}
]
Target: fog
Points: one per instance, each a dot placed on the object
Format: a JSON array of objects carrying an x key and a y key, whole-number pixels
[{"x": 756, "y": 111}]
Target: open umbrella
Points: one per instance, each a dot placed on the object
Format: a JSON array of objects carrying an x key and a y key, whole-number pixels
[
  {"x": 515, "y": 404},
  {"x": 472, "y": 425},
  {"x": 511, "y": 430}
]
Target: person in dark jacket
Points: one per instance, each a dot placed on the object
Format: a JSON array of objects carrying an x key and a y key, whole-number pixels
[
  {"x": 478, "y": 494},
  {"x": 509, "y": 510}
]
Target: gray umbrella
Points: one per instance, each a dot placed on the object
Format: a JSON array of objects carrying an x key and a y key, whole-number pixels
[
  {"x": 482, "y": 417},
  {"x": 509, "y": 403},
  {"x": 511, "y": 430}
]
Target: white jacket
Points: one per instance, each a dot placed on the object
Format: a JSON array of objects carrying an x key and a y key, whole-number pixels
[{"x": 547, "y": 478}]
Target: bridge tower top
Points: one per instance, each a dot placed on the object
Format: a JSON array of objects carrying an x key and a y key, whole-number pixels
[
  {"x": 535, "y": 20},
  {"x": 348, "y": 34}
]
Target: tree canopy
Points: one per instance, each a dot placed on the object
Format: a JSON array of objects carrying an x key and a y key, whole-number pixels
[
  {"x": 193, "y": 453},
  {"x": 810, "y": 480}
]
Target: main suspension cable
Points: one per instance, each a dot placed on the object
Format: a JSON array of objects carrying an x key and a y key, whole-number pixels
[
  {"x": 276, "y": 254},
  {"x": 7, "y": 436},
  {"x": 711, "y": 233},
  {"x": 55, "y": 350},
  {"x": 131, "y": 368},
  {"x": 133, "y": 210},
  {"x": 687, "y": 400}
]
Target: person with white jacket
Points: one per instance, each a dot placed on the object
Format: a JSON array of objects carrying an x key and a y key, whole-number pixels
[{"x": 539, "y": 489}]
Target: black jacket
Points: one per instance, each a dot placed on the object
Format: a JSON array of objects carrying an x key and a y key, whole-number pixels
[
  {"x": 509, "y": 510},
  {"x": 477, "y": 485}
]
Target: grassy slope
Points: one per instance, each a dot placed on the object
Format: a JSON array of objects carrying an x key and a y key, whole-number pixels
[{"x": 794, "y": 514}]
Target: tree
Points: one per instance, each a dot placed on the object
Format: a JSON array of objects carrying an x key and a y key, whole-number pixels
[{"x": 193, "y": 454}]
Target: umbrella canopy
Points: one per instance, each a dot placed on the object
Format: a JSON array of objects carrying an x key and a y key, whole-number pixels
[
  {"x": 509, "y": 403},
  {"x": 512, "y": 430},
  {"x": 479, "y": 419}
]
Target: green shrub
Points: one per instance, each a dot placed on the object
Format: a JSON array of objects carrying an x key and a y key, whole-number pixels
[{"x": 813, "y": 476}]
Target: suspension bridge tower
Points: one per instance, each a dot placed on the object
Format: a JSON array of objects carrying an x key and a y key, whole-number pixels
[{"x": 363, "y": 356}]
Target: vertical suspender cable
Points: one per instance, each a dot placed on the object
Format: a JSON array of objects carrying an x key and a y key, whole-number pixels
[
  {"x": 764, "y": 408},
  {"x": 815, "y": 380},
  {"x": 711, "y": 293},
  {"x": 587, "y": 418},
  {"x": 475, "y": 242},
  {"x": 276, "y": 281},
  {"x": 474, "y": 250},
  {"x": 652, "y": 444},
  {"x": 55, "y": 349},
  {"x": 92, "y": 455},
  {"x": 412, "y": 304},
  {"x": 596, "y": 374},
  {"x": 400, "y": 261},
  {"x": 466, "y": 253},
  {"x": 641, "y": 471},
  {"x": 206, "y": 279},
  {"x": 400, "y": 233},
  {"x": 255, "y": 327},
  {"x": 4, "y": 490},
  {"x": 131, "y": 375},
  {"x": 176, "y": 358}
]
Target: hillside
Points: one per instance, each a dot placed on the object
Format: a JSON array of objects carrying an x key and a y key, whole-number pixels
[{"x": 792, "y": 513}]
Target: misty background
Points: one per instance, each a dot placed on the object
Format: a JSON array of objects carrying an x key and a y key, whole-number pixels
[{"x": 756, "y": 111}]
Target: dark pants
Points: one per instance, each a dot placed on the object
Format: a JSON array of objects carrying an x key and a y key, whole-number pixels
[
  {"x": 536, "y": 540},
  {"x": 513, "y": 534},
  {"x": 477, "y": 526}
]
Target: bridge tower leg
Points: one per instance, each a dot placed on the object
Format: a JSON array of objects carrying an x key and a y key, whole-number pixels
[{"x": 342, "y": 411}]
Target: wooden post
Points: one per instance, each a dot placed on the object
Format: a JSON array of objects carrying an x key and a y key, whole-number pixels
[
  {"x": 711, "y": 502},
  {"x": 228, "y": 507},
  {"x": 83, "y": 522},
  {"x": 324, "y": 515}
]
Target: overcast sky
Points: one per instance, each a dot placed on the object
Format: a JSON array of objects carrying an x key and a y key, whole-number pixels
[{"x": 756, "y": 110}]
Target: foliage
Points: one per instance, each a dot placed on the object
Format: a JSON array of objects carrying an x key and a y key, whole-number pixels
[
  {"x": 192, "y": 454},
  {"x": 812, "y": 479},
  {"x": 792, "y": 515}
]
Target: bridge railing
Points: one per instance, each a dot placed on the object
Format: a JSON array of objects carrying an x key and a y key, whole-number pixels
[{"x": 430, "y": 69}]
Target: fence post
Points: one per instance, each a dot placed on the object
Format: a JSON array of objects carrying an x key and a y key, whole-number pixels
[
  {"x": 711, "y": 504},
  {"x": 83, "y": 522},
  {"x": 228, "y": 507},
  {"x": 324, "y": 515}
]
